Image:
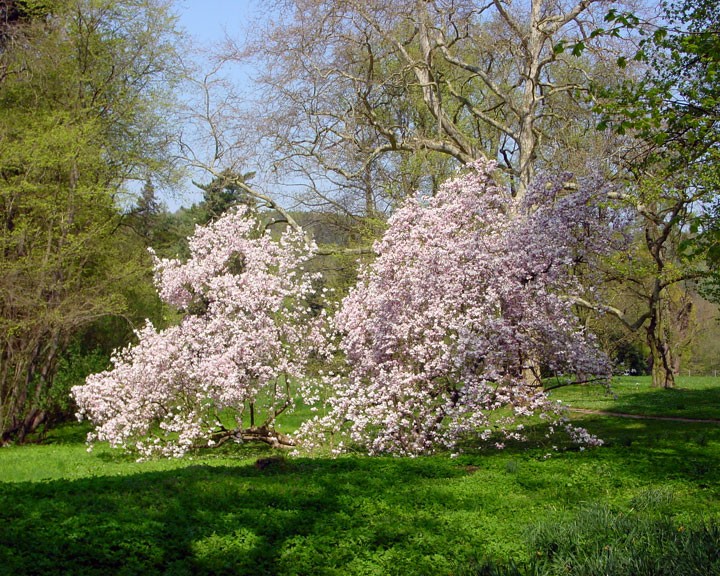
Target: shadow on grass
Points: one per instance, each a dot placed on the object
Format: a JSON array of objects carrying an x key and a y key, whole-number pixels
[
  {"x": 658, "y": 452},
  {"x": 680, "y": 402},
  {"x": 346, "y": 516},
  {"x": 299, "y": 517},
  {"x": 635, "y": 453}
]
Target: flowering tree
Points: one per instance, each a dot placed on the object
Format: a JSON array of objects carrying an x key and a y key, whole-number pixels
[
  {"x": 231, "y": 358},
  {"x": 470, "y": 291}
]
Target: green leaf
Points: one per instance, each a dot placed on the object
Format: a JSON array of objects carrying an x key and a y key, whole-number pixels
[
  {"x": 713, "y": 253},
  {"x": 611, "y": 16},
  {"x": 659, "y": 35}
]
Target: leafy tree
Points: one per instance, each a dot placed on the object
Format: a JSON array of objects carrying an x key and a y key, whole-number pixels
[
  {"x": 224, "y": 192},
  {"x": 16, "y": 13},
  {"x": 469, "y": 290},
  {"x": 80, "y": 113},
  {"x": 145, "y": 217},
  {"x": 167, "y": 233},
  {"x": 243, "y": 339},
  {"x": 671, "y": 167}
]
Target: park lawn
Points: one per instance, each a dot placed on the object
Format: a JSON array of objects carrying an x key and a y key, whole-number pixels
[
  {"x": 695, "y": 397},
  {"x": 66, "y": 511}
]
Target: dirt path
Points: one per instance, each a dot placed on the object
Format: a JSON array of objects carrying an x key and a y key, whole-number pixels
[{"x": 646, "y": 417}]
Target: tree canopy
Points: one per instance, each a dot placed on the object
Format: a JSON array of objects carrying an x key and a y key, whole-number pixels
[
  {"x": 81, "y": 106},
  {"x": 536, "y": 177},
  {"x": 670, "y": 168},
  {"x": 470, "y": 289}
]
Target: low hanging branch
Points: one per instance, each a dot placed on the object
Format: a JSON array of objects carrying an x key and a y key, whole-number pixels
[
  {"x": 263, "y": 434},
  {"x": 360, "y": 251},
  {"x": 270, "y": 203}
]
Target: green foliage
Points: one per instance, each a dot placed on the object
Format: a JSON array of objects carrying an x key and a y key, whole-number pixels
[
  {"x": 669, "y": 115},
  {"x": 82, "y": 99},
  {"x": 694, "y": 397},
  {"x": 643, "y": 541},
  {"x": 344, "y": 243},
  {"x": 223, "y": 192},
  {"x": 674, "y": 108},
  {"x": 73, "y": 367},
  {"x": 167, "y": 232}
]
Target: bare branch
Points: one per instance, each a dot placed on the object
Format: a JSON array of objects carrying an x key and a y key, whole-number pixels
[{"x": 619, "y": 314}]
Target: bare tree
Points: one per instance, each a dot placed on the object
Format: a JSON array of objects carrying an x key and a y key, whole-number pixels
[{"x": 357, "y": 93}]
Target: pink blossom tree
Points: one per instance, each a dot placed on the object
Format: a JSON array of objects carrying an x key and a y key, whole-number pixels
[
  {"x": 225, "y": 370},
  {"x": 470, "y": 291}
]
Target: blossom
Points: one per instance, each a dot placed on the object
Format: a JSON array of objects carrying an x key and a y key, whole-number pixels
[
  {"x": 244, "y": 336},
  {"x": 469, "y": 291}
]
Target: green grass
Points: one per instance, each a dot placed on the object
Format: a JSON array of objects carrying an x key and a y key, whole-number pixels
[
  {"x": 693, "y": 397},
  {"x": 653, "y": 489}
]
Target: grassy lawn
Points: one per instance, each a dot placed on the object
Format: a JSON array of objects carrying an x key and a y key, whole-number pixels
[
  {"x": 693, "y": 397},
  {"x": 654, "y": 485}
]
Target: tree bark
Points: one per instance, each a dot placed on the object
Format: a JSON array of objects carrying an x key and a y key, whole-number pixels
[{"x": 661, "y": 355}]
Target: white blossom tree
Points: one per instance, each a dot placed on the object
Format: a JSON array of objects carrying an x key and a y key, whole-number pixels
[
  {"x": 245, "y": 336},
  {"x": 470, "y": 289}
]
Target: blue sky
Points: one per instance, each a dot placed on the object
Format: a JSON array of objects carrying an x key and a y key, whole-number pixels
[{"x": 209, "y": 22}]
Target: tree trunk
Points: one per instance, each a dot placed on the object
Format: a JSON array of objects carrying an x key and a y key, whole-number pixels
[{"x": 661, "y": 356}]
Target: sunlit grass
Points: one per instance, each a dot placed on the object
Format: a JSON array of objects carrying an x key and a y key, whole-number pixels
[
  {"x": 694, "y": 397},
  {"x": 66, "y": 511}
]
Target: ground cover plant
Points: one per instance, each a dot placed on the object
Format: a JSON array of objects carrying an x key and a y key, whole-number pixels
[{"x": 646, "y": 501}]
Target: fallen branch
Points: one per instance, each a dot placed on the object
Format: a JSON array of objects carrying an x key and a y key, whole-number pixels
[{"x": 264, "y": 434}]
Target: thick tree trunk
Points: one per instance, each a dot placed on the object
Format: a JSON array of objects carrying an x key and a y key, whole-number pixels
[
  {"x": 22, "y": 391},
  {"x": 532, "y": 373}
]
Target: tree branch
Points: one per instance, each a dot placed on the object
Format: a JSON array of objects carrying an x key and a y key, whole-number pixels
[{"x": 619, "y": 314}]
